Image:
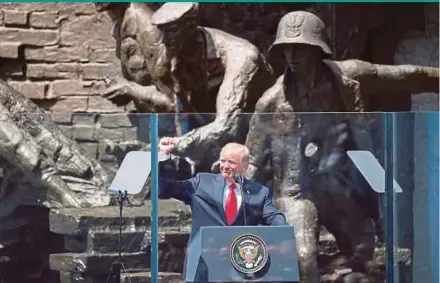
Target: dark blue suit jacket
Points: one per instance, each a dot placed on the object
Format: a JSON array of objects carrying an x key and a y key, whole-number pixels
[{"x": 204, "y": 194}]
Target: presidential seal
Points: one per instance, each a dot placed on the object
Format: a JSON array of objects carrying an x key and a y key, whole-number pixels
[{"x": 248, "y": 254}]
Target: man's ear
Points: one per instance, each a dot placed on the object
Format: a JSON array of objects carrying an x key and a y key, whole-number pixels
[{"x": 245, "y": 167}]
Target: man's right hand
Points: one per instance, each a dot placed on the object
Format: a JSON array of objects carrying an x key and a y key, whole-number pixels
[{"x": 167, "y": 145}]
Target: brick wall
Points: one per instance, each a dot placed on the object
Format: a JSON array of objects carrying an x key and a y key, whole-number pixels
[
  {"x": 91, "y": 130},
  {"x": 57, "y": 54}
]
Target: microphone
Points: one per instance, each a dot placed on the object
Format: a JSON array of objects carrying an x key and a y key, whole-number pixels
[{"x": 239, "y": 180}]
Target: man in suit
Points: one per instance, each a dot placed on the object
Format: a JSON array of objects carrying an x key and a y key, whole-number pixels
[{"x": 225, "y": 199}]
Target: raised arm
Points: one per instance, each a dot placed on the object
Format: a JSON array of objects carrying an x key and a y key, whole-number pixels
[
  {"x": 231, "y": 99},
  {"x": 407, "y": 79},
  {"x": 168, "y": 186},
  {"x": 180, "y": 190},
  {"x": 122, "y": 91}
]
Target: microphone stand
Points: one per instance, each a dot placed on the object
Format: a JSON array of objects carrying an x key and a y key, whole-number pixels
[
  {"x": 240, "y": 180},
  {"x": 118, "y": 265}
]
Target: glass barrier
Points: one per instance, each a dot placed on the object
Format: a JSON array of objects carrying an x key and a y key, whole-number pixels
[
  {"x": 329, "y": 174},
  {"x": 59, "y": 202},
  {"x": 416, "y": 214},
  {"x": 325, "y": 173}
]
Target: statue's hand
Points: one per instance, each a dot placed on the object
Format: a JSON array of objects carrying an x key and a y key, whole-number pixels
[{"x": 119, "y": 91}]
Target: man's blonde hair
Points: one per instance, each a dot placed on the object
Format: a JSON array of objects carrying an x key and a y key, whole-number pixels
[{"x": 237, "y": 148}]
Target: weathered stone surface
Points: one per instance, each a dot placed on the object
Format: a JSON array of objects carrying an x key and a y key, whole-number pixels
[
  {"x": 63, "y": 118},
  {"x": 97, "y": 263},
  {"x": 9, "y": 49},
  {"x": 38, "y": 37},
  {"x": 84, "y": 133},
  {"x": 53, "y": 71},
  {"x": 132, "y": 134},
  {"x": 94, "y": 71},
  {"x": 72, "y": 32},
  {"x": 103, "y": 55},
  {"x": 43, "y": 20},
  {"x": 108, "y": 241},
  {"x": 69, "y": 105},
  {"x": 126, "y": 277},
  {"x": 73, "y": 87},
  {"x": 53, "y": 54},
  {"x": 14, "y": 17},
  {"x": 132, "y": 241},
  {"x": 84, "y": 119},
  {"x": 115, "y": 120},
  {"x": 33, "y": 90},
  {"x": 114, "y": 134},
  {"x": 69, "y": 221},
  {"x": 102, "y": 105},
  {"x": 145, "y": 277}
]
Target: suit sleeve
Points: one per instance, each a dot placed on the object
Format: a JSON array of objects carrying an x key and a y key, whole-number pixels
[
  {"x": 170, "y": 188},
  {"x": 271, "y": 215}
]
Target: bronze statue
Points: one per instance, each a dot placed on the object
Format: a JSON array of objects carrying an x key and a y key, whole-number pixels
[
  {"x": 307, "y": 178},
  {"x": 40, "y": 166},
  {"x": 132, "y": 31},
  {"x": 210, "y": 71}
]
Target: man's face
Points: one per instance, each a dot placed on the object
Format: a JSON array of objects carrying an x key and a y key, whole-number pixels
[
  {"x": 297, "y": 55},
  {"x": 231, "y": 162}
]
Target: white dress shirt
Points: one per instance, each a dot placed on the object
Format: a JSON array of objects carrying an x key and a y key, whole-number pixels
[{"x": 163, "y": 157}]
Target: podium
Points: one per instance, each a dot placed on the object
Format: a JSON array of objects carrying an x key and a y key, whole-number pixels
[{"x": 241, "y": 254}]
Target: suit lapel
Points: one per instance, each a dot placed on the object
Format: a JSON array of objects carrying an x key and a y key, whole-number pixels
[{"x": 219, "y": 187}]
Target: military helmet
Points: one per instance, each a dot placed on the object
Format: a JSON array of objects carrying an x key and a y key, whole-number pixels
[
  {"x": 304, "y": 28},
  {"x": 173, "y": 13},
  {"x": 107, "y": 6}
]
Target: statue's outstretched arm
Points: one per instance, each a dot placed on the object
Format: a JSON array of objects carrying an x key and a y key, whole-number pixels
[
  {"x": 231, "y": 99},
  {"x": 122, "y": 91},
  {"x": 410, "y": 79}
]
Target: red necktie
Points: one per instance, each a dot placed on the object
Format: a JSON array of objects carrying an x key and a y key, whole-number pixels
[{"x": 231, "y": 204}]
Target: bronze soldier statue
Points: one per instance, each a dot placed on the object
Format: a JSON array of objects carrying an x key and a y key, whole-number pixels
[
  {"x": 210, "y": 71},
  {"x": 325, "y": 189},
  {"x": 214, "y": 72},
  {"x": 132, "y": 21},
  {"x": 39, "y": 165}
]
